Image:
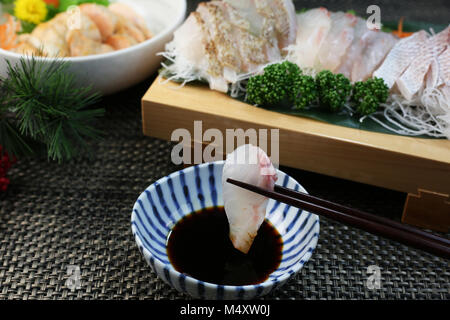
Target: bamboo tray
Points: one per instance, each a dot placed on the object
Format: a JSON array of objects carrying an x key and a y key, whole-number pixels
[{"x": 416, "y": 166}]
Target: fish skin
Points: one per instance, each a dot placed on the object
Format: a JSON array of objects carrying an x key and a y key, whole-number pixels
[
  {"x": 444, "y": 66},
  {"x": 412, "y": 79},
  {"x": 246, "y": 210},
  {"x": 400, "y": 57}
]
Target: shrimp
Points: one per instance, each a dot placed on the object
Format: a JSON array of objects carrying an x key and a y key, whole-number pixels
[
  {"x": 50, "y": 37},
  {"x": 125, "y": 27},
  {"x": 120, "y": 41},
  {"x": 105, "y": 20},
  {"x": 87, "y": 39},
  {"x": 8, "y": 32},
  {"x": 25, "y": 45},
  {"x": 246, "y": 210},
  {"x": 124, "y": 11},
  {"x": 80, "y": 45}
]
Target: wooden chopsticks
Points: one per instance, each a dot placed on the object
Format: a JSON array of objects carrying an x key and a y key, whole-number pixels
[{"x": 374, "y": 224}]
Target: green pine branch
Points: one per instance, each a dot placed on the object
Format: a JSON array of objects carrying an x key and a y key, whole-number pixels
[{"x": 41, "y": 105}]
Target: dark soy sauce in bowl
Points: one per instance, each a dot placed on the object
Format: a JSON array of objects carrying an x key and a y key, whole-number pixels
[{"x": 199, "y": 246}]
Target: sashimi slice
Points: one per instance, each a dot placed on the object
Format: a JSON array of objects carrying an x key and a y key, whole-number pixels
[
  {"x": 194, "y": 56},
  {"x": 221, "y": 34},
  {"x": 444, "y": 66},
  {"x": 400, "y": 57},
  {"x": 354, "y": 53},
  {"x": 313, "y": 28},
  {"x": 254, "y": 48},
  {"x": 337, "y": 42},
  {"x": 413, "y": 78},
  {"x": 282, "y": 16},
  {"x": 377, "y": 47},
  {"x": 246, "y": 210}
]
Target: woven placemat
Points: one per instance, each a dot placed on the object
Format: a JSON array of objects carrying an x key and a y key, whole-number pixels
[{"x": 78, "y": 214}]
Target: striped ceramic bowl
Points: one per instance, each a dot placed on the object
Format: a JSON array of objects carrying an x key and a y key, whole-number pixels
[{"x": 166, "y": 201}]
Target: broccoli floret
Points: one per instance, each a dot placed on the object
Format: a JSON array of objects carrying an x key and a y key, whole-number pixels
[
  {"x": 275, "y": 85},
  {"x": 305, "y": 93},
  {"x": 333, "y": 89},
  {"x": 369, "y": 94}
]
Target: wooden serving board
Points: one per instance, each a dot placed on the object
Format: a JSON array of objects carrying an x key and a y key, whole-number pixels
[{"x": 395, "y": 162}]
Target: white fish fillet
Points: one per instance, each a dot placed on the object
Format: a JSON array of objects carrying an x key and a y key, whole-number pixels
[
  {"x": 400, "y": 57},
  {"x": 412, "y": 79},
  {"x": 267, "y": 16},
  {"x": 224, "y": 41},
  {"x": 313, "y": 28},
  {"x": 354, "y": 53},
  {"x": 246, "y": 210},
  {"x": 444, "y": 66},
  {"x": 337, "y": 42},
  {"x": 377, "y": 47}
]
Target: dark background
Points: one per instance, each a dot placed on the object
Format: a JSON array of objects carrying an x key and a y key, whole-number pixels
[
  {"x": 78, "y": 213},
  {"x": 433, "y": 11}
]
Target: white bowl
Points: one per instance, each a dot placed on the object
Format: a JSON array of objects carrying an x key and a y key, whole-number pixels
[
  {"x": 171, "y": 198},
  {"x": 118, "y": 70}
]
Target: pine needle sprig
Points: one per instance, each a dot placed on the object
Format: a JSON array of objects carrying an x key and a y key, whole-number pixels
[{"x": 49, "y": 108}]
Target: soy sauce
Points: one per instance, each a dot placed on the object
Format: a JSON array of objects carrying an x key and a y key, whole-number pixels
[{"x": 199, "y": 246}]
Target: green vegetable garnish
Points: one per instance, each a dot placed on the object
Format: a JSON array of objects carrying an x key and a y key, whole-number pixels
[
  {"x": 333, "y": 90},
  {"x": 282, "y": 83},
  {"x": 369, "y": 94},
  {"x": 65, "y": 4},
  {"x": 305, "y": 92},
  {"x": 274, "y": 86}
]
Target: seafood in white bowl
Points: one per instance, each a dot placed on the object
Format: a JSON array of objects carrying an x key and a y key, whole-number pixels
[{"x": 112, "y": 68}]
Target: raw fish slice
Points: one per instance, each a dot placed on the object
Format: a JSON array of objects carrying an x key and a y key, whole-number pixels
[
  {"x": 194, "y": 56},
  {"x": 281, "y": 15},
  {"x": 337, "y": 42},
  {"x": 444, "y": 66},
  {"x": 439, "y": 72},
  {"x": 255, "y": 49},
  {"x": 214, "y": 14},
  {"x": 246, "y": 210},
  {"x": 377, "y": 47},
  {"x": 400, "y": 57},
  {"x": 313, "y": 28},
  {"x": 413, "y": 78},
  {"x": 354, "y": 53},
  {"x": 248, "y": 11}
]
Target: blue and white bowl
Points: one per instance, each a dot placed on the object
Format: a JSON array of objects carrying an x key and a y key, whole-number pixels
[{"x": 166, "y": 201}]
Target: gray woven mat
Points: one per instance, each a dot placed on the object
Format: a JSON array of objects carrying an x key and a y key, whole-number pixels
[{"x": 54, "y": 216}]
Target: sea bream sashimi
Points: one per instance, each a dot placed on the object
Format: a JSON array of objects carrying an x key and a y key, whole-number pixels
[
  {"x": 378, "y": 45},
  {"x": 412, "y": 80},
  {"x": 246, "y": 210},
  {"x": 313, "y": 28},
  {"x": 224, "y": 40},
  {"x": 337, "y": 42},
  {"x": 269, "y": 18},
  {"x": 400, "y": 57},
  {"x": 354, "y": 54}
]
